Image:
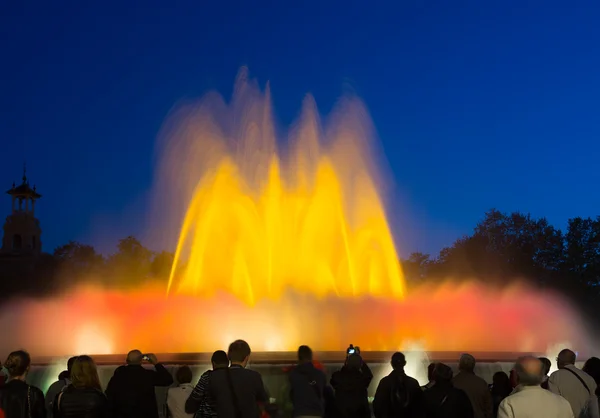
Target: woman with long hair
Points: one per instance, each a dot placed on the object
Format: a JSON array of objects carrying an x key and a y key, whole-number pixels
[
  {"x": 83, "y": 398},
  {"x": 20, "y": 400}
]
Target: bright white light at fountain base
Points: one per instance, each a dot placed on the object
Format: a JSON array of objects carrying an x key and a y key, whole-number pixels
[
  {"x": 417, "y": 361},
  {"x": 51, "y": 375},
  {"x": 552, "y": 354},
  {"x": 92, "y": 339}
]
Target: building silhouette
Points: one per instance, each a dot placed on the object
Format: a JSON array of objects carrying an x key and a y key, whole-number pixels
[{"x": 22, "y": 230}]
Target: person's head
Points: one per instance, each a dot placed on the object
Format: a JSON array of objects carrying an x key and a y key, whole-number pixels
[
  {"x": 466, "y": 363},
  {"x": 219, "y": 360},
  {"x": 70, "y": 363},
  {"x": 592, "y": 367},
  {"x": 305, "y": 354},
  {"x": 183, "y": 375},
  {"x": 398, "y": 361},
  {"x": 529, "y": 371},
  {"x": 66, "y": 374},
  {"x": 501, "y": 384},
  {"x": 239, "y": 352},
  {"x": 134, "y": 358},
  {"x": 566, "y": 358},
  {"x": 17, "y": 364},
  {"x": 546, "y": 365},
  {"x": 84, "y": 374},
  {"x": 442, "y": 374},
  {"x": 430, "y": 370},
  {"x": 354, "y": 362}
]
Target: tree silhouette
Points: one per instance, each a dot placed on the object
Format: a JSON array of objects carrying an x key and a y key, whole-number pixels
[{"x": 78, "y": 259}]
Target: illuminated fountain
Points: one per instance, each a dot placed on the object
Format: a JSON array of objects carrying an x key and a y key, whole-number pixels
[{"x": 282, "y": 243}]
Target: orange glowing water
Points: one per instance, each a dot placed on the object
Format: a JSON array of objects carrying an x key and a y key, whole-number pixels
[{"x": 281, "y": 246}]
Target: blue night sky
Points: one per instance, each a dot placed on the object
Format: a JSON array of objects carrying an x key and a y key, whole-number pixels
[{"x": 477, "y": 104}]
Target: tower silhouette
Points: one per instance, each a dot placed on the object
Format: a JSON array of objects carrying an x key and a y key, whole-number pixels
[{"x": 22, "y": 230}]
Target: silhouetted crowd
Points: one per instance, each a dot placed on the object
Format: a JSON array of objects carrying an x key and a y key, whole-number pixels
[{"x": 231, "y": 390}]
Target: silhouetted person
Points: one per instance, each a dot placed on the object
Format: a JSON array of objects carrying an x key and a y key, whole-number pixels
[
  {"x": 64, "y": 379},
  {"x": 307, "y": 386},
  {"x": 443, "y": 400},
  {"x": 576, "y": 386},
  {"x": 474, "y": 386},
  {"x": 18, "y": 399},
  {"x": 398, "y": 395},
  {"x": 83, "y": 398},
  {"x": 531, "y": 400},
  {"x": 430, "y": 381},
  {"x": 546, "y": 365},
  {"x": 131, "y": 390},
  {"x": 200, "y": 402},
  {"x": 2, "y": 376},
  {"x": 351, "y": 385},
  {"x": 177, "y": 397},
  {"x": 237, "y": 391},
  {"x": 500, "y": 389},
  {"x": 592, "y": 367}
]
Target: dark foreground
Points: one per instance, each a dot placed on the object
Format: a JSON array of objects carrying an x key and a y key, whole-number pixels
[{"x": 272, "y": 367}]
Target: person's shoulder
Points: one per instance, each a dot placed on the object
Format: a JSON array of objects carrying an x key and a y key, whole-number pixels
[
  {"x": 37, "y": 391},
  {"x": 412, "y": 381},
  {"x": 253, "y": 373},
  {"x": 556, "y": 399},
  {"x": 120, "y": 370},
  {"x": 56, "y": 383},
  {"x": 480, "y": 381}
]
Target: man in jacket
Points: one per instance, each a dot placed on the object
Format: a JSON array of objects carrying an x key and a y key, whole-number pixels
[
  {"x": 474, "y": 386},
  {"x": 236, "y": 390},
  {"x": 307, "y": 385},
  {"x": 398, "y": 395},
  {"x": 131, "y": 392},
  {"x": 531, "y": 400},
  {"x": 351, "y": 385},
  {"x": 575, "y": 385},
  {"x": 443, "y": 400}
]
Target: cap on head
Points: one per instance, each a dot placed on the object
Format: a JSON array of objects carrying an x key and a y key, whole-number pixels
[
  {"x": 134, "y": 357},
  {"x": 398, "y": 361},
  {"x": 466, "y": 363}
]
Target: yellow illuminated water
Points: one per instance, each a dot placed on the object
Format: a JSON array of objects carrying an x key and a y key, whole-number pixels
[
  {"x": 285, "y": 236},
  {"x": 262, "y": 221}
]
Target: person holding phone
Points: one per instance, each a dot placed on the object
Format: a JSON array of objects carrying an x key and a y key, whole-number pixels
[
  {"x": 351, "y": 385},
  {"x": 130, "y": 391}
]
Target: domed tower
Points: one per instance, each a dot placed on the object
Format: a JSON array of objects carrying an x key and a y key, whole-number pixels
[{"x": 22, "y": 230}]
